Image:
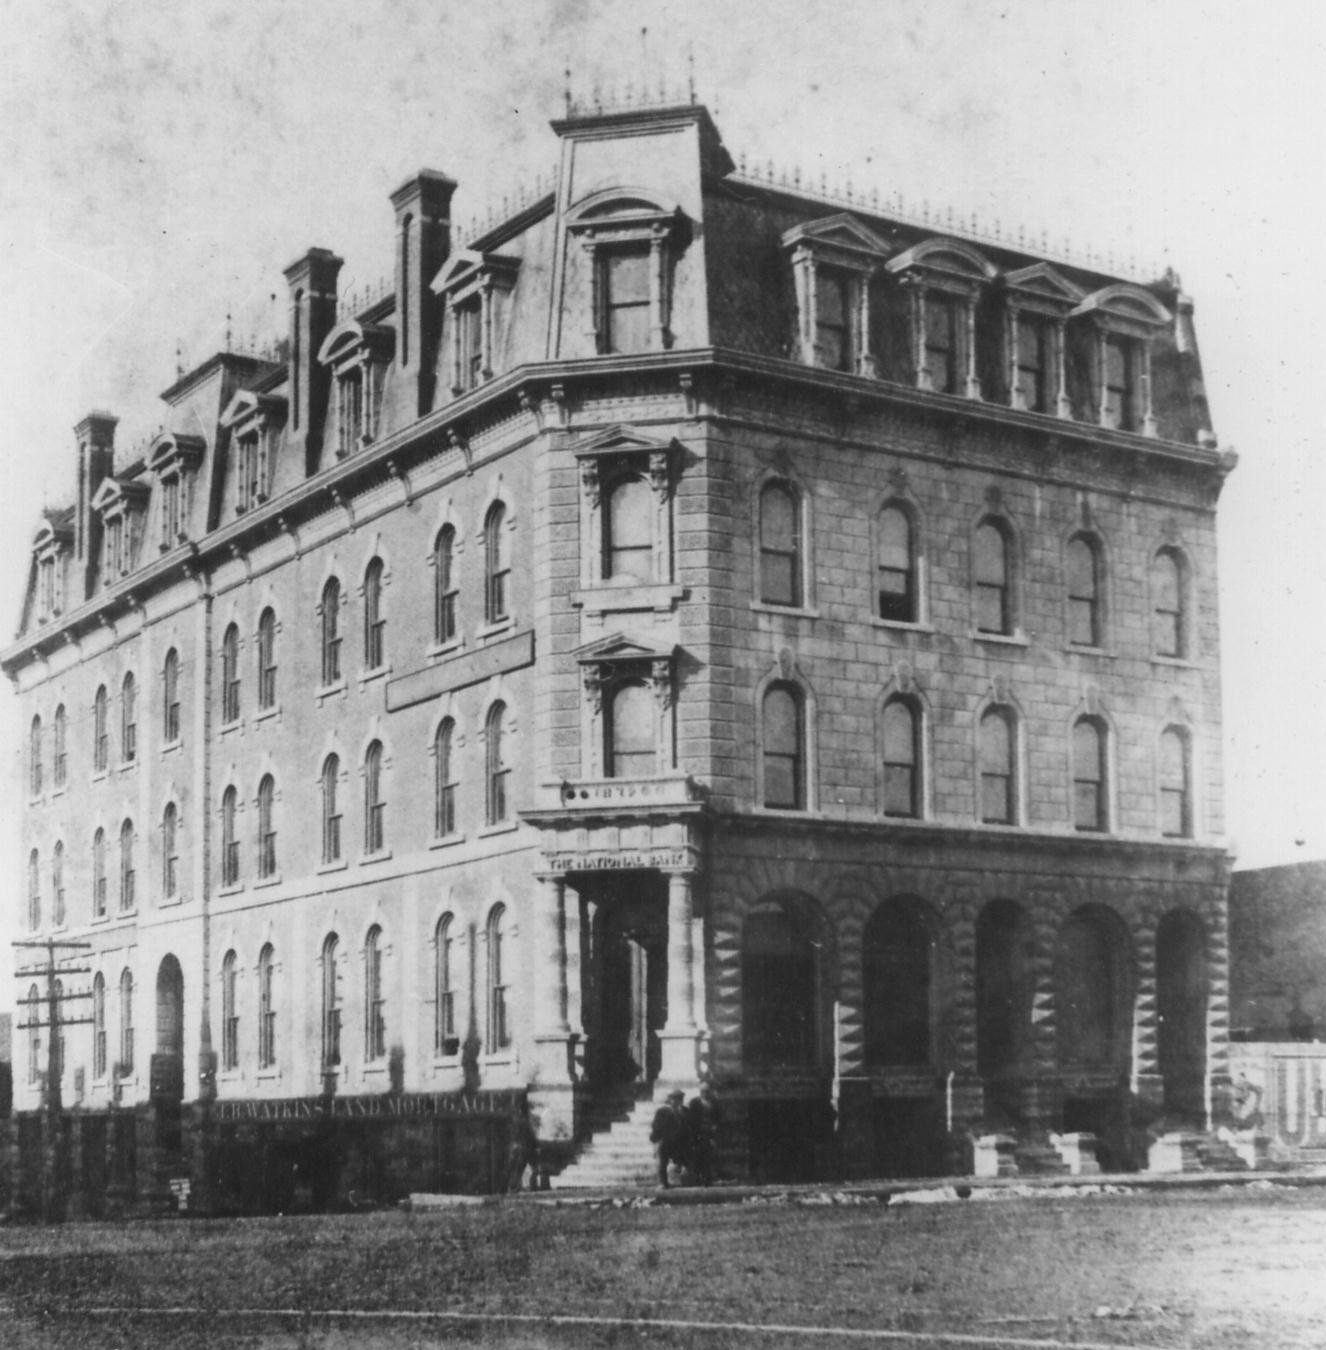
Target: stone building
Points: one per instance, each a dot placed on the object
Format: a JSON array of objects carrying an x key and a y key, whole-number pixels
[{"x": 693, "y": 630}]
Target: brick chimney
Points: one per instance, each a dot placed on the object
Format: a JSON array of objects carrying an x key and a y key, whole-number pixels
[
  {"x": 312, "y": 282},
  {"x": 96, "y": 459},
  {"x": 423, "y": 241}
]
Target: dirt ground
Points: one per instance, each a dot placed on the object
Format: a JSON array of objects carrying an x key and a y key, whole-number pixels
[{"x": 1218, "y": 1268}]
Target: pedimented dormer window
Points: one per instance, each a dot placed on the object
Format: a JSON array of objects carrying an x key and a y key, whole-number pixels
[
  {"x": 632, "y": 240},
  {"x": 50, "y": 550},
  {"x": 254, "y": 422},
  {"x": 944, "y": 280},
  {"x": 1117, "y": 326},
  {"x": 629, "y": 687},
  {"x": 120, "y": 502},
  {"x": 472, "y": 284},
  {"x": 174, "y": 459},
  {"x": 1037, "y": 302},
  {"x": 626, "y": 482},
  {"x": 359, "y": 354},
  {"x": 833, "y": 261}
]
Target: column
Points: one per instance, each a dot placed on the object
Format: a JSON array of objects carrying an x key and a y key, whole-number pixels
[
  {"x": 680, "y": 1038},
  {"x": 971, "y": 380},
  {"x": 551, "y": 1084},
  {"x": 1148, "y": 417}
]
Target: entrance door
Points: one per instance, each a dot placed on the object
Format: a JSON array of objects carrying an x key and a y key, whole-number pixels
[
  {"x": 1181, "y": 999},
  {"x": 632, "y": 982}
]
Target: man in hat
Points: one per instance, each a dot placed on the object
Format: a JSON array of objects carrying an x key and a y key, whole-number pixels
[{"x": 668, "y": 1131}]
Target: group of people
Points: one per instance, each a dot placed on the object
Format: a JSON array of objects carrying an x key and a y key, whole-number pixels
[{"x": 685, "y": 1133}]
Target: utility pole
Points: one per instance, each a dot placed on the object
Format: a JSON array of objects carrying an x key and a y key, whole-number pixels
[{"x": 55, "y": 1165}]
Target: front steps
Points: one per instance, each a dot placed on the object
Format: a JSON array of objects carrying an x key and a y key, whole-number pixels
[{"x": 618, "y": 1152}]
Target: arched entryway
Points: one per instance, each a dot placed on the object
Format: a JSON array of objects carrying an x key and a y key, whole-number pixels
[
  {"x": 1182, "y": 993},
  {"x": 1005, "y": 988},
  {"x": 167, "y": 1076}
]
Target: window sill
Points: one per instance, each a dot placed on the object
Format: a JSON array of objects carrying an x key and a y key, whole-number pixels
[
  {"x": 377, "y": 1069},
  {"x": 379, "y": 856},
  {"x": 269, "y": 1075},
  {"x": 170, "y": 901},
  {"x": 171, "y": 747},
  {"x": 1082, "y": 649},
  {"x": 366, "y": 677},
  {"x": 227, "y": 728},
  {"x": 438, "y": 650},
  {"x": 267, "y": 714},
  {"x": 1000, "y": 639},
  {"x": 326, "y": 691},
  {"x": 99, "y": 918},
  {"x": 793, "y": 611},
  {"x": 498, "y": 1059},
  {"x": 605, "y": 598},
  {"x": 901, "y": 625},
  {"x": 235, "y": 888},
  {"x": 262, "y": 883},
  {"x": 128, "y": 766},
  {"x": 336, "y": 865},
  {"x": 99, "y": 776},
  {"x": 492, "y": 630},
  {"x": 501, "y": 827},
  {"x": 1174, "y": 662},
  {"x": 786, "y": 812},
  {"x": 447, "y": 841},
  {"x": 59, "y": 790},
  {"x": 124, "y": 915}
]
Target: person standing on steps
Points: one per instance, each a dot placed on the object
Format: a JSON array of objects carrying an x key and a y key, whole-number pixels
[
  {"x": 702, "y": 1127},
  {"x": 668, "y": 1131}
]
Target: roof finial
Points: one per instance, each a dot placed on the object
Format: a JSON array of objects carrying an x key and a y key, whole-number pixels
[
  {"x": 566, "y": 91},
  {"x": 179, "y": 358},
  {"x": 690, "y": 71},
  {"x": 227, "y": 330}
]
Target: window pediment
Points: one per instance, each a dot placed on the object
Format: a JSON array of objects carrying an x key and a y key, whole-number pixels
[
  {"x": 621, "y": 440},
  {"x": 118, "y": 495},
  {"x": 610, "y": 660},
  {"x": 468, "y": 270},
  {"x": 54, "y": 533},
  {"x": 1042, "y": 288},
  {"x": 618, "y": 650},
  {"x": 622, "y": 213},
  {"x": 944, "y": 262},
  {"x": 353, "y": 343},
  {"x": 840, "y": 241},
  {"x": 1129, "y": 309},
  {"x": 249, "y": 411}
]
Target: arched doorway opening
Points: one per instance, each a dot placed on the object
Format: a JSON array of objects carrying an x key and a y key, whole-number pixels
[
  {"x": 1004, "y": 991},
  {"x": 1182, "y": 992},
  {"x": 167, "y": 1070}
]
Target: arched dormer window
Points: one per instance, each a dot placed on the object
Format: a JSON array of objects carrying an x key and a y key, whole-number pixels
[
  {"x": 475, "y": 287},
  {"x": 944, "y": 279},
  {"x": 782, "y": 562},
  {"x": 1115, "y": 328},
  {"x": 1037, "y": 301},
  {"x": 174, "y": 458},
  {"x": 631, "y": 241},
  {"x": 359, "y": 354}
]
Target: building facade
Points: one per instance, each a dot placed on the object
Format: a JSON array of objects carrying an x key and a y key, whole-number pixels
[{"x": 694, "y": 630}]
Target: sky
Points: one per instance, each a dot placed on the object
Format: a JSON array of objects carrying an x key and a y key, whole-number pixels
[{"x": 162, "y": 166}]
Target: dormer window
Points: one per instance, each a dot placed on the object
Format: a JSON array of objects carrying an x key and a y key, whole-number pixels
[
  {"x": 943, "y": 279},
  {"x": 833, "y": 262},
  {"x": 1037, "y": 301},
  {"x": 120, "y": 502},
  {"x": 359, "y": 354},
  {"x": 471, "y": 284},
  {"x": 1118, "y": 325},
  {"x": 50, "y": 549},
  {"x": 173, "y": 459},
  {"x": 631, "y": 242}
]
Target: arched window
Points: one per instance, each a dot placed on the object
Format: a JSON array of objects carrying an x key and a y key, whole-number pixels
[
  {"x": 99, "y": 1026},
  {"x": 331, "y": 632},
  {"x": 35, "y": 1010},
  {"x": 1090, "y": 798},
  {"x": 128, "y": 720},
  {"x": 229, "y": 1012},
  {"x": 127, "y": 874},
  {"x": 780, "y": 545},
  {"x": 629, "y": 728},
  {"x": 57, "y": 884},
  {"x": 902, "y": 758},
  {"x": 230, "y": 674},
  {"x": 100, "y": 733},
  {"x": 375, "y": 626},
  {"x": 229, "y": 838},
  {"x": 1169, "y": 601},
  {"x": 897, "y": 567},
  {"x": 34, "y": 891},
  {"x": 495, "y": 764},
  {"x": 266, "y": 827},
  {"x": 59, "y": 749},
  {"x": 991, "y": 577},
  {"x": 628, "y": 532},
  {"x": 1175, "y": 784},
  {"x": 34, "y": 758},
  {"x": 444, "y": 780},
  {"x": 331, "y": 1005},
  {"x": 1084, "y": 570},
  {"x": 126, "y": 1022},
  {"x": 375, "y": 809},
  {"x": 444, "y": 586},
  {"x": 497, "y": 565},
  {"x": 267, "y": 659},
  {"x": 331, "y": 812},
  {"x": 445, "y": 1041},
  {"x": 99, "y": 874},
  {"x": 784, "y": 747},
  {"x": 170, "y": 853},
  {"x": 780, "y": 987},
  {"x": 266, "y": 1009},
  {"x": 998, "y": 768},
  {"x": 375, "y": 1027},
  {"x": 170, "y": 698},
  {"x": 898, "y": 958},
  {"x": 499, "y": 1032}
]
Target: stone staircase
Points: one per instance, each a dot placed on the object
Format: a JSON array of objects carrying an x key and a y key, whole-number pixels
[{"x": 617, "y": 1152}]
